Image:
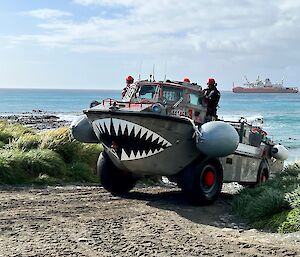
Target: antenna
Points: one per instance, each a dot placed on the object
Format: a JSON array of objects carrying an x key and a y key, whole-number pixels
[
  {"x": 140, "y": 71},
  {"x": 165, "y": 71},
  {"x": 153, "y": 72},
  {"x": 246, "y": 79}
]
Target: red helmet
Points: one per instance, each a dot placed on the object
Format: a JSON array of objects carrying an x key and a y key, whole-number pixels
[
  {"x": 186, "y": 79},
  {"x": 211, "y": 81},
  {"x": 129, "y": 78}
]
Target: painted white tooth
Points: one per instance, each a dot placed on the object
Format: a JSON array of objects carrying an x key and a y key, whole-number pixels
[
  {"x": 143, "y": 131},
  {"x": 158, "y": 150},
  {"x": 100, "y": 128},
  {"x": 136, "y": 131},
  {"x": 106, "y": 121},
  {"x": 168, "y": 144},
  {"x": 143, "y": 155},
  {"x": 154, "y": 137},
  {"x": 160, "y": 140},
  {"x": 149, "y": 154},
  {"x": 150, "y": 133},
  {"x": 115, "y": 124},
  {"x": 124, "y": 156},
  {"x": 138, "y": 155},
  {"x": 130, "y": 126},
  {"x": 100, "y": 125},
  {"x": 132, "y": 157},
  {"x": 155, "y": 151},
  {"x": 97, "y": 126},
  {"x": 118, "y": 125},
  {"x": 107, "y": 124}
]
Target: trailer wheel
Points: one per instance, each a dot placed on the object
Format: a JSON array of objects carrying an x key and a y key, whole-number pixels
[
  {"x": 114, "y": 180},
  {"x": 202, "y": 182},
  {"x": 263, "y": 172}
]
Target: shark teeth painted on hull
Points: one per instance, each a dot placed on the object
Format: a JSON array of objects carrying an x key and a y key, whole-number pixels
[{"x": 130, "y": 140}]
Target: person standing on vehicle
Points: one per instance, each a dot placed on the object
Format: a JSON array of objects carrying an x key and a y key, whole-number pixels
[
  {"x": 129, "y": 81},
  {"x": 211, "y": 98}
]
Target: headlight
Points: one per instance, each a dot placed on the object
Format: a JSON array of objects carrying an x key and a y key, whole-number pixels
[{"x": 157, "y": 108}]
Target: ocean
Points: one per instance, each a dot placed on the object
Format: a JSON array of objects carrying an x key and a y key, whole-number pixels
[{"x": 281, "y": 112}]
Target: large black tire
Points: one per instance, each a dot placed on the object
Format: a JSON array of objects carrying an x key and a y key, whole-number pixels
[
  {"x": 263, "y": 172},
  {"x": 114, "y": 180},
  {"x": 263, "y": 175},
  {"x": 202, "y": 182}
]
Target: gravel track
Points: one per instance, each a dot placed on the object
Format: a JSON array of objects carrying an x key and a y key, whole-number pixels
[{"x": 153, "y": 221}]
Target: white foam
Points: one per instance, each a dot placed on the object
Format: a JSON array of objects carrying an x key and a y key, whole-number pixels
[{"x": 67, "y": 116}]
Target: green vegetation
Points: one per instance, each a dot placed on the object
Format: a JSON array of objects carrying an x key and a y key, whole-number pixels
[
  {"x": 274, "y": 204},
  {"x": 54, "y": 156},
  {"x": 48, "y": 157}
]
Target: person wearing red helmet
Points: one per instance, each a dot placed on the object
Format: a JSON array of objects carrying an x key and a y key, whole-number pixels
[
  {"x": 186, "y": 80},
  {"x": 211, "y": 98},
  {"x": 129, "y": 81}
]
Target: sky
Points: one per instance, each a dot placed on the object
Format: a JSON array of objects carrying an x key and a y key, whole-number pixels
[{"x": 95, "y": 44}]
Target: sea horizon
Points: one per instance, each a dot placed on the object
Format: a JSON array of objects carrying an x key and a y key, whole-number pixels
[
  {"x": 281, "y": 112},
  {"x": 79, "y": 89}
]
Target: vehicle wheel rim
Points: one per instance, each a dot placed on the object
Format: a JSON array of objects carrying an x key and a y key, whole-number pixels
[{"x": 209, "y": 178}]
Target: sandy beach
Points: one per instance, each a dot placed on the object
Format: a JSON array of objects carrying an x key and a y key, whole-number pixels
[{"x": 151, "y": 221}]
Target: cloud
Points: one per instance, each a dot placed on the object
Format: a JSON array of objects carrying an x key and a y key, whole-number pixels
[
  {"x": 248, "y": 30},
  {"x": 47, "y": 13},
  {"x": 108, "y": 2}
]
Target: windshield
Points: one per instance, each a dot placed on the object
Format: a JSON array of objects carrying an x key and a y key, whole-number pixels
[
  {"x": 172, "y": 94},
  {"x": 147, "y": 91},
  {"x": 195, "y": 99}
]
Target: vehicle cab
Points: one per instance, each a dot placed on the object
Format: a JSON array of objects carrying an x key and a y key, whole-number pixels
[{"x": 172, "y": 98}]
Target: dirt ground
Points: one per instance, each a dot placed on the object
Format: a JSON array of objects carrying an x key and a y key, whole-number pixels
[{"x": 152, "y": 221}]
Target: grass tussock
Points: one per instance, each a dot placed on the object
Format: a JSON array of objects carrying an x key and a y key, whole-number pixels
[
  {"x": 274, "y": 204},
  {"x": 28, "y": 142},
  {"x": 9, "y": 133},
  {"x": 49, "y": 157}
]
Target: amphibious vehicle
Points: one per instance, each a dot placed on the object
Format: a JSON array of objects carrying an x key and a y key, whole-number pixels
[{"x": 160, "y": 128}]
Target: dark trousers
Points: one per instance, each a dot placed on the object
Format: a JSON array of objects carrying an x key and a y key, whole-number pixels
[{"x": 211, "y": 114}]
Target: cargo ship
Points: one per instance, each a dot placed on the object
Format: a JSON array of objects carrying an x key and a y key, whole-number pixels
[{"x": 266, "y": 86}]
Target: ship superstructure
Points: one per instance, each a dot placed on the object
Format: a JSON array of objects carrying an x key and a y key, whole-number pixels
[{"x": 263, "y": 86}]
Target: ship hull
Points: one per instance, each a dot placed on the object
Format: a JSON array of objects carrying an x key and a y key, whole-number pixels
[{"x": 263, "y": 90}]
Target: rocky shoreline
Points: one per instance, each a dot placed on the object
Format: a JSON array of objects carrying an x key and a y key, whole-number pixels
[{"x": 37, "y": 119}]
